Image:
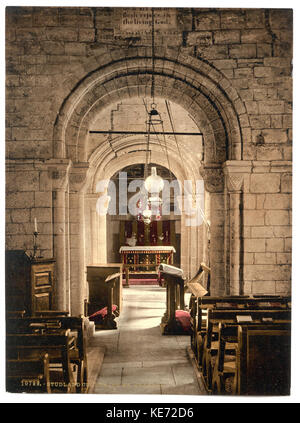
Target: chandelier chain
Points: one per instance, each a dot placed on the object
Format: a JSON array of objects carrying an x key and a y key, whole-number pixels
[{"x": 152, "y": 77}]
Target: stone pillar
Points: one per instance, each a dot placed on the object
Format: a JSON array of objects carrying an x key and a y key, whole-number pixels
[
  {"x": 214, "y": 185},
  {"x": 94, "y": 230},
  {"x": 91, "y": 229},
  {"x": 58, "y": 173},
  {"x": 77, "y": 238},
  {"x": 102, "y": 238},
  {"x": 234, "y": 172},
  {"x": 68, "y": 267},
  {"x": 191, "y": 239},
  {"x": 184, "y": 244}
]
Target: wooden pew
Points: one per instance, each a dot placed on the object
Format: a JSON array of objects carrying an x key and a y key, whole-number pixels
[
  {"x": 249, "y": 367},
  {"x": 58, "y": 345},
  {"x": 51, "y": 313},
  {"x": 195, "y": 285},
  {"x": 78, "y": 354},
  {"x": 28, "y": 375},
  {"x": 202, "y": 305},
  {"x": 264, "y": 361},
  {"x": 16, "y": 313},
  {"x": 210, "y": 341},
  {"x": 199, "y": 317},
  {"x": 224, "y": 369}
]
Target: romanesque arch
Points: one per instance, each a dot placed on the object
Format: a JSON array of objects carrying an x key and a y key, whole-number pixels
[
  {"x": 197, "y": 86},
  {"x": 192, "y": 83}
]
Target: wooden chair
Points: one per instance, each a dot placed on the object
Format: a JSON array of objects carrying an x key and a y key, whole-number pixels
[{"x": 28, "y": 375}]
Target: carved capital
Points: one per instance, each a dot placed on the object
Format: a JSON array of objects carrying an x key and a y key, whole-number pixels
[
  {"x": 213, "y": 178},
  {"x": 234, "y": 171},
  {"x": 234, "y": 183}
]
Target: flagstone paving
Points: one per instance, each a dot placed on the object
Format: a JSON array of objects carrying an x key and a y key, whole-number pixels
[{"x": 138, "y": 358}]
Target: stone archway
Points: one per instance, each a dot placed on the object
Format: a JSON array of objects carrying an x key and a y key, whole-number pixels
[
  {"x": 194, "y": 84},
  {"x": 104, "y": 169}
]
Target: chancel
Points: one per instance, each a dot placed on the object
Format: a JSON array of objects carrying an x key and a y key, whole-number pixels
[{"x": 148, "y": 201}]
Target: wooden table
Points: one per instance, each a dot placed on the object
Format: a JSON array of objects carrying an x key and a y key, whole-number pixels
[{"x": 145, "y": 259}]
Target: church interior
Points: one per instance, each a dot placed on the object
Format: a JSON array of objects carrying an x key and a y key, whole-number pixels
[{"x": 148, "y": 200}]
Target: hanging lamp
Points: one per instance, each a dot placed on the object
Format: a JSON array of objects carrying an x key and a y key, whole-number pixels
[{"x": 153, "y": 183}]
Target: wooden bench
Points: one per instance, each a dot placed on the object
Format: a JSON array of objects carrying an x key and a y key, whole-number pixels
[
  {"x": 200, "y": 307},
  {"x": 51, "y": 313},
  {"x": 231, "y": 365},
  {"x": 28, "y": 375},
  {"x": 33, "y": 346},
  {"x": 260, "y": 364},
  {"x": 195, "y": 286},
  {"x": 15, "y": 313},
  {"x": 209, "y": 342},
  {"x": 224, "y": 367},
  {"x": 264, "y": 360},
  {"x": 77, "y": 355}
]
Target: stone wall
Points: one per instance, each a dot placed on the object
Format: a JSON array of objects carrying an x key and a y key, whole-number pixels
[
  {"x": 46, "y": 46},
  {"x": 267, "y": 230},
  {"x": 49, "y": 50}
]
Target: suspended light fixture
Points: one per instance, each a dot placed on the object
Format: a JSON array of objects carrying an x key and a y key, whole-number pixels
[{"x": 153, "y": 183}]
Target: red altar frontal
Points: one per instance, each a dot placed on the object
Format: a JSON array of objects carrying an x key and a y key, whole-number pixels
[{"x": 145, "y": 259}]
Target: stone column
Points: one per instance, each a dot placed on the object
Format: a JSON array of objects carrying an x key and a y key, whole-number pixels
[
  {"x": 214, "y": 184},
  {"x": 68, "y": 266},
  {"x": 58, "y": 173},
  {"x": 102, "y": 236},
  {"x": 77, "y": 238},
  {"x": 97, "y": 232},
  {"x": 184, "y": 243},
  {"x": 234, "y": 173},
  {"x": 94, "y": 229},
  {"x": 191, "y": 237},
  {"x": 91, "y": 229}
]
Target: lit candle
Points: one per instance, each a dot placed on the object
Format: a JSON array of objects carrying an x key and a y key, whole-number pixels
[{"x": 35, "y": 225}]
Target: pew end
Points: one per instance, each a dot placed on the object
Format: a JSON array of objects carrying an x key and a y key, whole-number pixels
[
  {"x": 264, "y": 364},
  {"x": 28, "y": 375}
]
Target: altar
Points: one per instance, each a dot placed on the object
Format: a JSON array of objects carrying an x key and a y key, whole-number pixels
[{"x": 145, "y": 259}]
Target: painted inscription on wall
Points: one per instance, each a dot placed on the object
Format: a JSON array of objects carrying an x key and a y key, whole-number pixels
[{"x": 138, "y": 21}]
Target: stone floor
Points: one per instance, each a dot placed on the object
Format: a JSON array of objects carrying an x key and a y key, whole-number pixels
[{"x": 138, "y": 358}]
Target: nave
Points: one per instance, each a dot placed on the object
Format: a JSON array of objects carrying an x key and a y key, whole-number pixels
[{"x": 138, "y": 359}]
